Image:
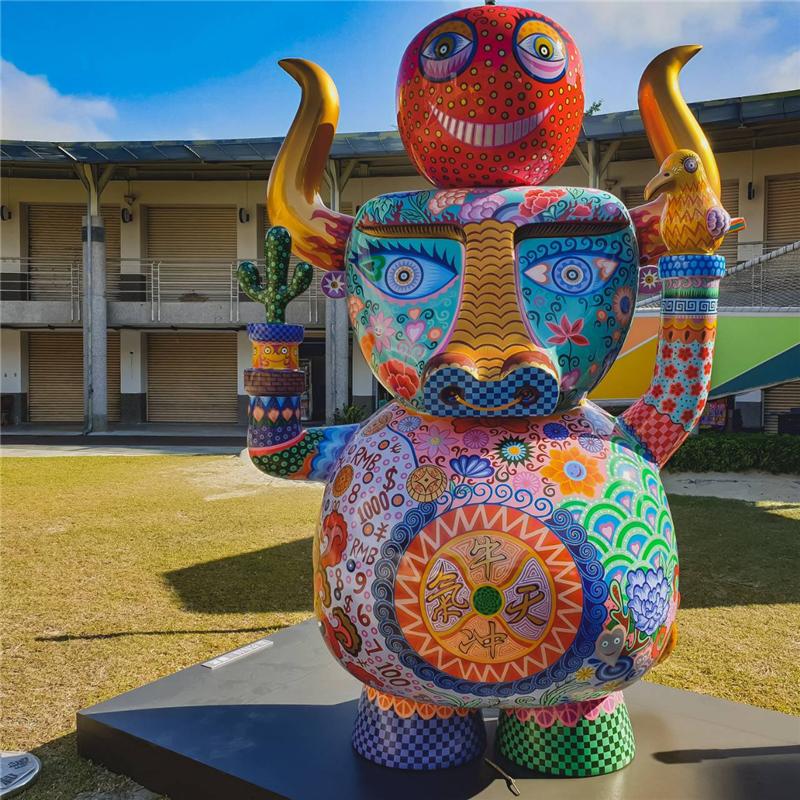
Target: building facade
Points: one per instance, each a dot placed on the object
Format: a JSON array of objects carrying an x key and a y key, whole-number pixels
[{"x": 119, "y": 302}]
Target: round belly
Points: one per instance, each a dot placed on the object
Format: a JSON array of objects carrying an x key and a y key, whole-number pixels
[{"x": 459, "y": 562}]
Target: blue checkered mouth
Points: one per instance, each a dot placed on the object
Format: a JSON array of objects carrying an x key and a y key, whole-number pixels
[{"x": 526, "y": 392}]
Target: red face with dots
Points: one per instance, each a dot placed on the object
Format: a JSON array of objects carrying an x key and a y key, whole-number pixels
[{"x": 490, "y": 96}]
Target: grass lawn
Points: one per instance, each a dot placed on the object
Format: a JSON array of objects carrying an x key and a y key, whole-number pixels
[{"x": 116, "y": 571}]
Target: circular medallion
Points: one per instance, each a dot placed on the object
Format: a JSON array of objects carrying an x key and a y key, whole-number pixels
[
  {"x": 426, "y": 483},
  {"x": 342, "y": 480},
  {"x": 488, "y": 593}
]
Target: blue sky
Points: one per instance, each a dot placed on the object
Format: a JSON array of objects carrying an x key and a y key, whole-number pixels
[{"x": 154, "y": 70}]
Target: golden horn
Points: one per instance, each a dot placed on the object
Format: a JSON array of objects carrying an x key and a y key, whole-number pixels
[
  {"x": 668, "y": 121},
  {"x": 319, "y": 235}
]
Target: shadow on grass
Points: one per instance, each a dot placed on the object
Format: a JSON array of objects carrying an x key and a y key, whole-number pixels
[
  {"x": 71, "y": 637},
  {"x": 734, "y": 552},
  {"x": 731, "y": 553},
  {"x": 276, "y": 579}
]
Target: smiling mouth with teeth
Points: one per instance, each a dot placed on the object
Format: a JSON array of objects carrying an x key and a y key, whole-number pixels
[{"x": 489, "y": 134}]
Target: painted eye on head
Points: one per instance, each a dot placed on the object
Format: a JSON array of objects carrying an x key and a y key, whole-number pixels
[
  {"x": 540, "y": 51},
  {"x": 570, "y": 275},
  {"x": 407, "y": 274},
  {"x": 447, "y": 51},
  {"x": 690, "y": 164}
]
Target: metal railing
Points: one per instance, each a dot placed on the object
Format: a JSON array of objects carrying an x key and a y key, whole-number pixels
[
  {"x": 154, "y": 282},
  {"x": 43, "y": 280},
  {"x": 766, "y": 276}
]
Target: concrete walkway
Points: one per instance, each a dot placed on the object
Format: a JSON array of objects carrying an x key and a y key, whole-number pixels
[{"x": 752, "y": 486}]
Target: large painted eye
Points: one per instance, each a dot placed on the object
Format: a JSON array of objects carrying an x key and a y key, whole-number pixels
[
  {"x": 572, "y": 275},
  {"x": 540, "y": 50},
  {"x": 447, "y": 50},
  {"x": 690, "y": 164},
  {"x": 409, "y": 278}
]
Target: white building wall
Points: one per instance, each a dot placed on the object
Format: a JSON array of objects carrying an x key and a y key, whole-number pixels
[
  {"x": 133, "y": 362},
  {"x": 12, "y": 367}
]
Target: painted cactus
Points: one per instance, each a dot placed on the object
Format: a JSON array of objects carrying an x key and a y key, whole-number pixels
[
  {"x": 277, "y": 290},
  {"x": 491, "y": 538}
]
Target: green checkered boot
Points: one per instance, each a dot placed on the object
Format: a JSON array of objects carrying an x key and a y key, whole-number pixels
[{"x": 582, "y": 748}]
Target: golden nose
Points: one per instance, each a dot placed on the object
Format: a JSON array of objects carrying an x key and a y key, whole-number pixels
[{"x": 489, "y": 333}]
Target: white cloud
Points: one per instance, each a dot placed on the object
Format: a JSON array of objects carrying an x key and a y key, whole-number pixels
[
  {"x": 782, "y": 74},
  {"x": 32, "y": 109},
  {"x": 636, "y": 24}
]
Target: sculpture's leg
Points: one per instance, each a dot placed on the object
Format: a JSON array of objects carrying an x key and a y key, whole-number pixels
[
  {"x": 574, "y": 740},
  {"x": 396, "y": 732}
]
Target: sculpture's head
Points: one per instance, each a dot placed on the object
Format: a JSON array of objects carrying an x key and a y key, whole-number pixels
[
  {"x": 680, "y": 170},
  {"x": 509, "y": 301},
  {"x": 490, "y": 96},
  {"x": 491, "y": 302}
]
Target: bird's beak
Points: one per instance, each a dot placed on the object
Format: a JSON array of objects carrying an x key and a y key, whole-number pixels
[{"x": 657, "y": 185}]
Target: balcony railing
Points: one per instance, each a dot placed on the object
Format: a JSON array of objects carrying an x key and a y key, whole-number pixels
[
  {"x": 152, "y": 282},
  {"x": 766, "y": 276},
  {"x": 43, "y": 280}
]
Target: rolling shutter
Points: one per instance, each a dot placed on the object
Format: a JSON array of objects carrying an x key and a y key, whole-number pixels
[
  {"x": 113, "y": 375},
  {"x": 55, "y": 376},
  {"x": 192, "y": 377},
  {"x": 783, "y": 210},
  {"x": 777, "y": 400},
  {"x": 54, "y": 243},
  {"x": 195, "y": 247}
]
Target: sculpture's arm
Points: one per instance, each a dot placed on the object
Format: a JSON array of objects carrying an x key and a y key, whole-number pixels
[
  {"x": 669, "y": 410},
  {"x": 276, "y": 440},
  {"x": 310, "y": 456}
]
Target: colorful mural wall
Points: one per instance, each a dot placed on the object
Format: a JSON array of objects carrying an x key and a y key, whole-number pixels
[{"x": 753, "y": 351}]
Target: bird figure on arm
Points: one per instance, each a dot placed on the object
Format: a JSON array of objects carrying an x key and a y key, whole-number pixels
[{"x": 693, "y": 219}]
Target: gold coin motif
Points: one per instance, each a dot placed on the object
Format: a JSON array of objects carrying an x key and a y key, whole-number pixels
[
  {"x": 343, "y": 479},
  {"x": 426, "y": 483},
  {"x": 378, "y": 423}
]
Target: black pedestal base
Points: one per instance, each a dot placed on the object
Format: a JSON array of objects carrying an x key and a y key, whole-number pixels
[{"x": 278, "y": 723}]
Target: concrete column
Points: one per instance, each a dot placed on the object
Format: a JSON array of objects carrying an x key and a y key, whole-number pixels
[
  {"x": 95, "y": 391},
  {"x": 337, "y": 350}
]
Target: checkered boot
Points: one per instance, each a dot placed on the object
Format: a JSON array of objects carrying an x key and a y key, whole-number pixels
[
  {"x": 400, "y": 733},
  {"x": 574, "y": 740}
]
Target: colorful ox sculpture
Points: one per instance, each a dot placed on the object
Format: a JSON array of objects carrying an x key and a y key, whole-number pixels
[{"x": 491, "y": 538}]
